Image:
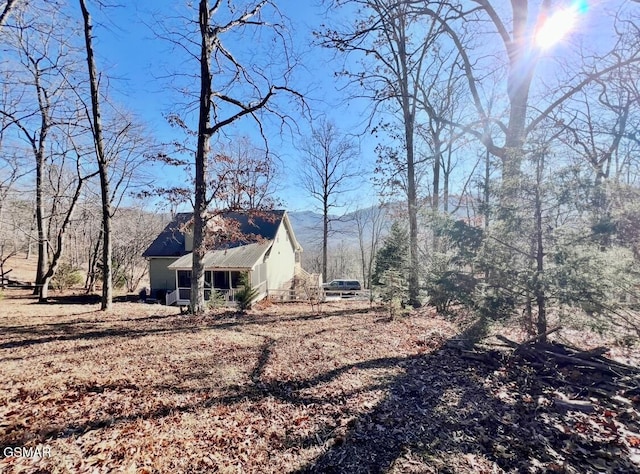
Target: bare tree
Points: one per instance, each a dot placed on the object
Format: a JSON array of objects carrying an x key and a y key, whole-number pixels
[
  {"x": 327, "y": 172},
  {"x": 249, "y": 174},
  {"x": 515, "y": 27},
  {"x": 598, "y": 120},
  {"x": 12, "y": 165},
  {"x": 389, "y": 33},
  {"x": 371, "y": 223},
  {"x": 134, "y": 230},
  {"x": 68, "y": 189},
  {"x": 38, "y": 75},
  {"x": 243, "y": 88},
  {"x": 10, "y": 173},
  {"x": 441, "y": 97},
  {"x": 119, "y": 153},
  {"x": 6, "y": 10},
  {"x": 103, "y": 162}
]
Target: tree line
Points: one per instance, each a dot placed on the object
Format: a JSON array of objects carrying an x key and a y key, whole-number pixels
[
  {"x": 62, "y": 133},
  {"x": 543, "y": 136}
]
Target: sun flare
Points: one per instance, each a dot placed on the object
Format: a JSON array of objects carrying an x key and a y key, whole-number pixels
[
  {"x": 555, "y": 28},
  {"x": 559, "y": 24}
]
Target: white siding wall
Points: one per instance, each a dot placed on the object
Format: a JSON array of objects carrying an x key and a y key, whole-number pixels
[{"x": 281, "y": 261}]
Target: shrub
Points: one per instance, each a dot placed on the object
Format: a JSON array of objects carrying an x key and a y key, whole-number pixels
[
  {"x": 246, "y": 294},
  {"x": 495, "y": 303},
  {"x": 394, "y": 291},
  {"x": 66, "y": 276},
  {"x": 449, "y": 288},
  {"x": 216, "y": 300}
]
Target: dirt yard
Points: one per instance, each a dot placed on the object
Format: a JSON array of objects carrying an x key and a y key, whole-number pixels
[{"x": 143, "y": 389}]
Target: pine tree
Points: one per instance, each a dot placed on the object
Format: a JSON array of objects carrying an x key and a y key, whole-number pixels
[
  {"x": 394, "y": 254},
  {"x": 247, "y": 294},
  {"x": 394, "y": 291}
]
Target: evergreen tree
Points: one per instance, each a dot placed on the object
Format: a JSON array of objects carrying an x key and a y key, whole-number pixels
[
  {"x": 394, "y": 291},
  {"x": 247, "y": 294},
  {"x": 394, "y": 254},
  {"x": 450, "y": 276}
]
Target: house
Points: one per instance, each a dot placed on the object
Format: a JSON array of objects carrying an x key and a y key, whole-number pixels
[{"x": 268, "y": 252}]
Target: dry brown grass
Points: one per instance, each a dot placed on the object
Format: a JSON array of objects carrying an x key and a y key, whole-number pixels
[{"x": 144, "y": 389}]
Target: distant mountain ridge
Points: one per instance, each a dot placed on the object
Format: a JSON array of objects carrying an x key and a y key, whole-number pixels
[{"x": 307, "y": 225}]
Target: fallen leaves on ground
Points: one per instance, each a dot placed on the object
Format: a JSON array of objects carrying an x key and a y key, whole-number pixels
[{"x": 281, "y": 389}]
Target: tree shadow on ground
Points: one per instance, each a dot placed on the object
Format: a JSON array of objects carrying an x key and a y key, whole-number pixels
[
  {"x": 287, "y": 391},
  {"x": 448, "y": 413},
  {"x": 88, "y": 333},
  {"x": 88, "y": 299},
  {"x": 422, "y": 421},
  {"x": 88, "y": 329},
  {"x": 443, "y": 413}
]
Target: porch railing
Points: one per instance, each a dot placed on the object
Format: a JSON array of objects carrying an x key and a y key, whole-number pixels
[
  {"x": 184, "y": 294},
  {"x": 171, "y": 297},
  {"x": 228, "y": 294}
]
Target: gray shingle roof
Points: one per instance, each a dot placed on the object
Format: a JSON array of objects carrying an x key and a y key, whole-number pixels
[{"x": 170, "y": 242}]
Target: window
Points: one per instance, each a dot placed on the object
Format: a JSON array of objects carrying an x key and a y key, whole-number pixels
[
  {"x": 184, "y": 278},
  {"x": 207, "y": 284},
  {"x": 221, "y": 280}
]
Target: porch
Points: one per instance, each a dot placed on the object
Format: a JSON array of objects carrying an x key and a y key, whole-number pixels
[
  {"x": 182, "y": 296},
  {"x": 220, "y": 283}
]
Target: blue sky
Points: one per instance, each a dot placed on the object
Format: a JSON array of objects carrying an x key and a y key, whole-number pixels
[{"x": 130, "y": 52}]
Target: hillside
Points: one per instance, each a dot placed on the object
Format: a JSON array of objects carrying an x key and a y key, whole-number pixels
[{"x": 308, "y": 224}]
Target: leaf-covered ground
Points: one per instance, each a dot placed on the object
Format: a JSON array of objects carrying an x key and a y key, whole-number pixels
[{"x": 144, "y": 389}]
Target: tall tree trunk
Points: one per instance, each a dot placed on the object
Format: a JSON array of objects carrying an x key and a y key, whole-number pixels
[
  {"x": 412, "y": 202},
  {"x": 107, "y": 246},
  {"x": 522, "y": 64},
  {"x": 202, "y": 152},
  {"x": 325, "y": 235},
  {"x": 445, "y": 187},
  {"x": 40, "y": 222},
  {"x": 486, "y": 202},
  {"x": 435, "y": 198},
  {"x": 541, "y": 301},
  {"x": 408, "y": 110},
  {"x": 107, "y": 278},
  {"x": 38, "y": 146}
]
